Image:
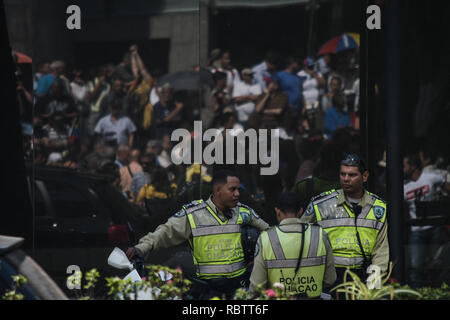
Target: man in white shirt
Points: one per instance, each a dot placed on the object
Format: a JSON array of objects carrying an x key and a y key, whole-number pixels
[
  {"x": 429, "y": 157},
  {"x": 312, "y": 82},
  {"x": 322, "y": 65},
  {"x": 244, "y": 95},
  {"x": 114, "y": 128},
  {"x": 226, "y": 67},
  {"x": 421, "y": 186}
]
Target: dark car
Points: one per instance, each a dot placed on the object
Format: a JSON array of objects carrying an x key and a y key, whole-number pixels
[
  {"x": 78, "y": 219},
  {"x": 14, "y": 262}
]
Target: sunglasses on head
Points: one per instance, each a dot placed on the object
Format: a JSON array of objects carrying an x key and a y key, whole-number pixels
[{"x": 354, "y": 160}]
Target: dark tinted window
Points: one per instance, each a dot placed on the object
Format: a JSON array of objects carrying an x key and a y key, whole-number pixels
[{"x": 68, "y": 200}]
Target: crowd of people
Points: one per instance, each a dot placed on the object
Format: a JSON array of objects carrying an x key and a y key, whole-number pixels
[
  {"x": 118, "y": 119},
  {"x": 119, "y": 122}
]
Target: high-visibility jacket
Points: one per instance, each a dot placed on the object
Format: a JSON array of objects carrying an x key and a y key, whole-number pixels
[
  {"x": 217, "y": 248},
  {"x": 337, "y": 218},
  {"x": 281, "y": 251}
]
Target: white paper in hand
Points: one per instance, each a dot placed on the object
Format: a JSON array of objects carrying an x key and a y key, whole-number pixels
[{"x": 118, "y": 259}]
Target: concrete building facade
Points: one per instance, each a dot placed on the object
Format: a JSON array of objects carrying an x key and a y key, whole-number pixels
[{"x": 174, "y": 34}]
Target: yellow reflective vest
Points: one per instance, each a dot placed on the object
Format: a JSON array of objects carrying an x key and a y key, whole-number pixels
[
  {"x": 217, "y": 248},
  {"x": 281, "y": 251},
  {"x": 337, "y": 218}
]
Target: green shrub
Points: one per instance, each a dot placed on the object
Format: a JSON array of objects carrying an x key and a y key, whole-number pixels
[
  {"x": 353, "y": 288},
  {"x": 13, "y": 294},
  {"x": 358, "y": 290},
  {"x": 442, "y": 293},
  {"x": 120, "y": 289}
]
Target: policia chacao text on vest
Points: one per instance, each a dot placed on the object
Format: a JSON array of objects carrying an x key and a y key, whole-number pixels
[
  {"x": 212, "y": 228},
  {"x": 354, "y": 244},
  {"x": 279, "y": 248}
]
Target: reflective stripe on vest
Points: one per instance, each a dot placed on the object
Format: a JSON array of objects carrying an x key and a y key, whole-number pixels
[
  {"x": 280, "y": 252},
  {"x": 350, "y": 222},
  {"x": 205, "y": 231},
  {"x": 221, "y": 269},
  {"x": 339, "y": 223},
  {"x": 348, "y": 261},
  {"x": 217, "y": 249},
  {"x": 292, "y": 263}
]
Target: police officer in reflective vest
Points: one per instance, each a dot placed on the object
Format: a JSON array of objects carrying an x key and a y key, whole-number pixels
[
  {"x": 213, "y": 230},
  {"x": 294, "y": 254},
  {"x": 354, "y": 219}
]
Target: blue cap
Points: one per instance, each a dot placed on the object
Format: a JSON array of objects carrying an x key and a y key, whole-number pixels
[{"x": 308, "y": 62}]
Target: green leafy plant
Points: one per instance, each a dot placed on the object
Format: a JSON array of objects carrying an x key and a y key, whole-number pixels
[
  {"x": 91, "y": 277},
  {"x": 125, "y": 289},
  {"x": 86, "y": 291},
  {"x": 353, "y": 288},
  {"x": 358, "y": 290},
  {"x": 13, "y": 294},
  {"x": 173, "y": 289},
  {"x": 442, "y": 293}
]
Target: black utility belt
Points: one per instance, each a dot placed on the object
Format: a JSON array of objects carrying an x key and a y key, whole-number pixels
[{"x": 223, "y": 284}]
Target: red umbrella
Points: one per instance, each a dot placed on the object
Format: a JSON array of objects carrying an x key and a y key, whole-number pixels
[{"x": 22, "y": 58}]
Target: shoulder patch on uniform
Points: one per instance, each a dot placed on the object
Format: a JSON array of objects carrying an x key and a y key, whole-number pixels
[
  {"x": 180, "y": 213},
  {"x": 245, "y": 217},
  {"x": 378, "y": 211},
  {"x": 249, "y": 209},
  {"x": 309, "y": 209}
]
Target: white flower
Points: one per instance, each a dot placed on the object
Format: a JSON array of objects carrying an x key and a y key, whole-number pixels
[{"x": 278, "y": 285}]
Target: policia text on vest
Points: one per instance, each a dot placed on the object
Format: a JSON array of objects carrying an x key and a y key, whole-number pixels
[
  {"x": 280, "y": 250},
  {"x": 278, "y": 259}
]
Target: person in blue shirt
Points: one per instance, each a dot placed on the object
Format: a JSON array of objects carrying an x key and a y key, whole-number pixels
[
  {"x": 292, "y": 84},
  {"x": 335, "y": 117},
  {"x": 45, "y": 82}
]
